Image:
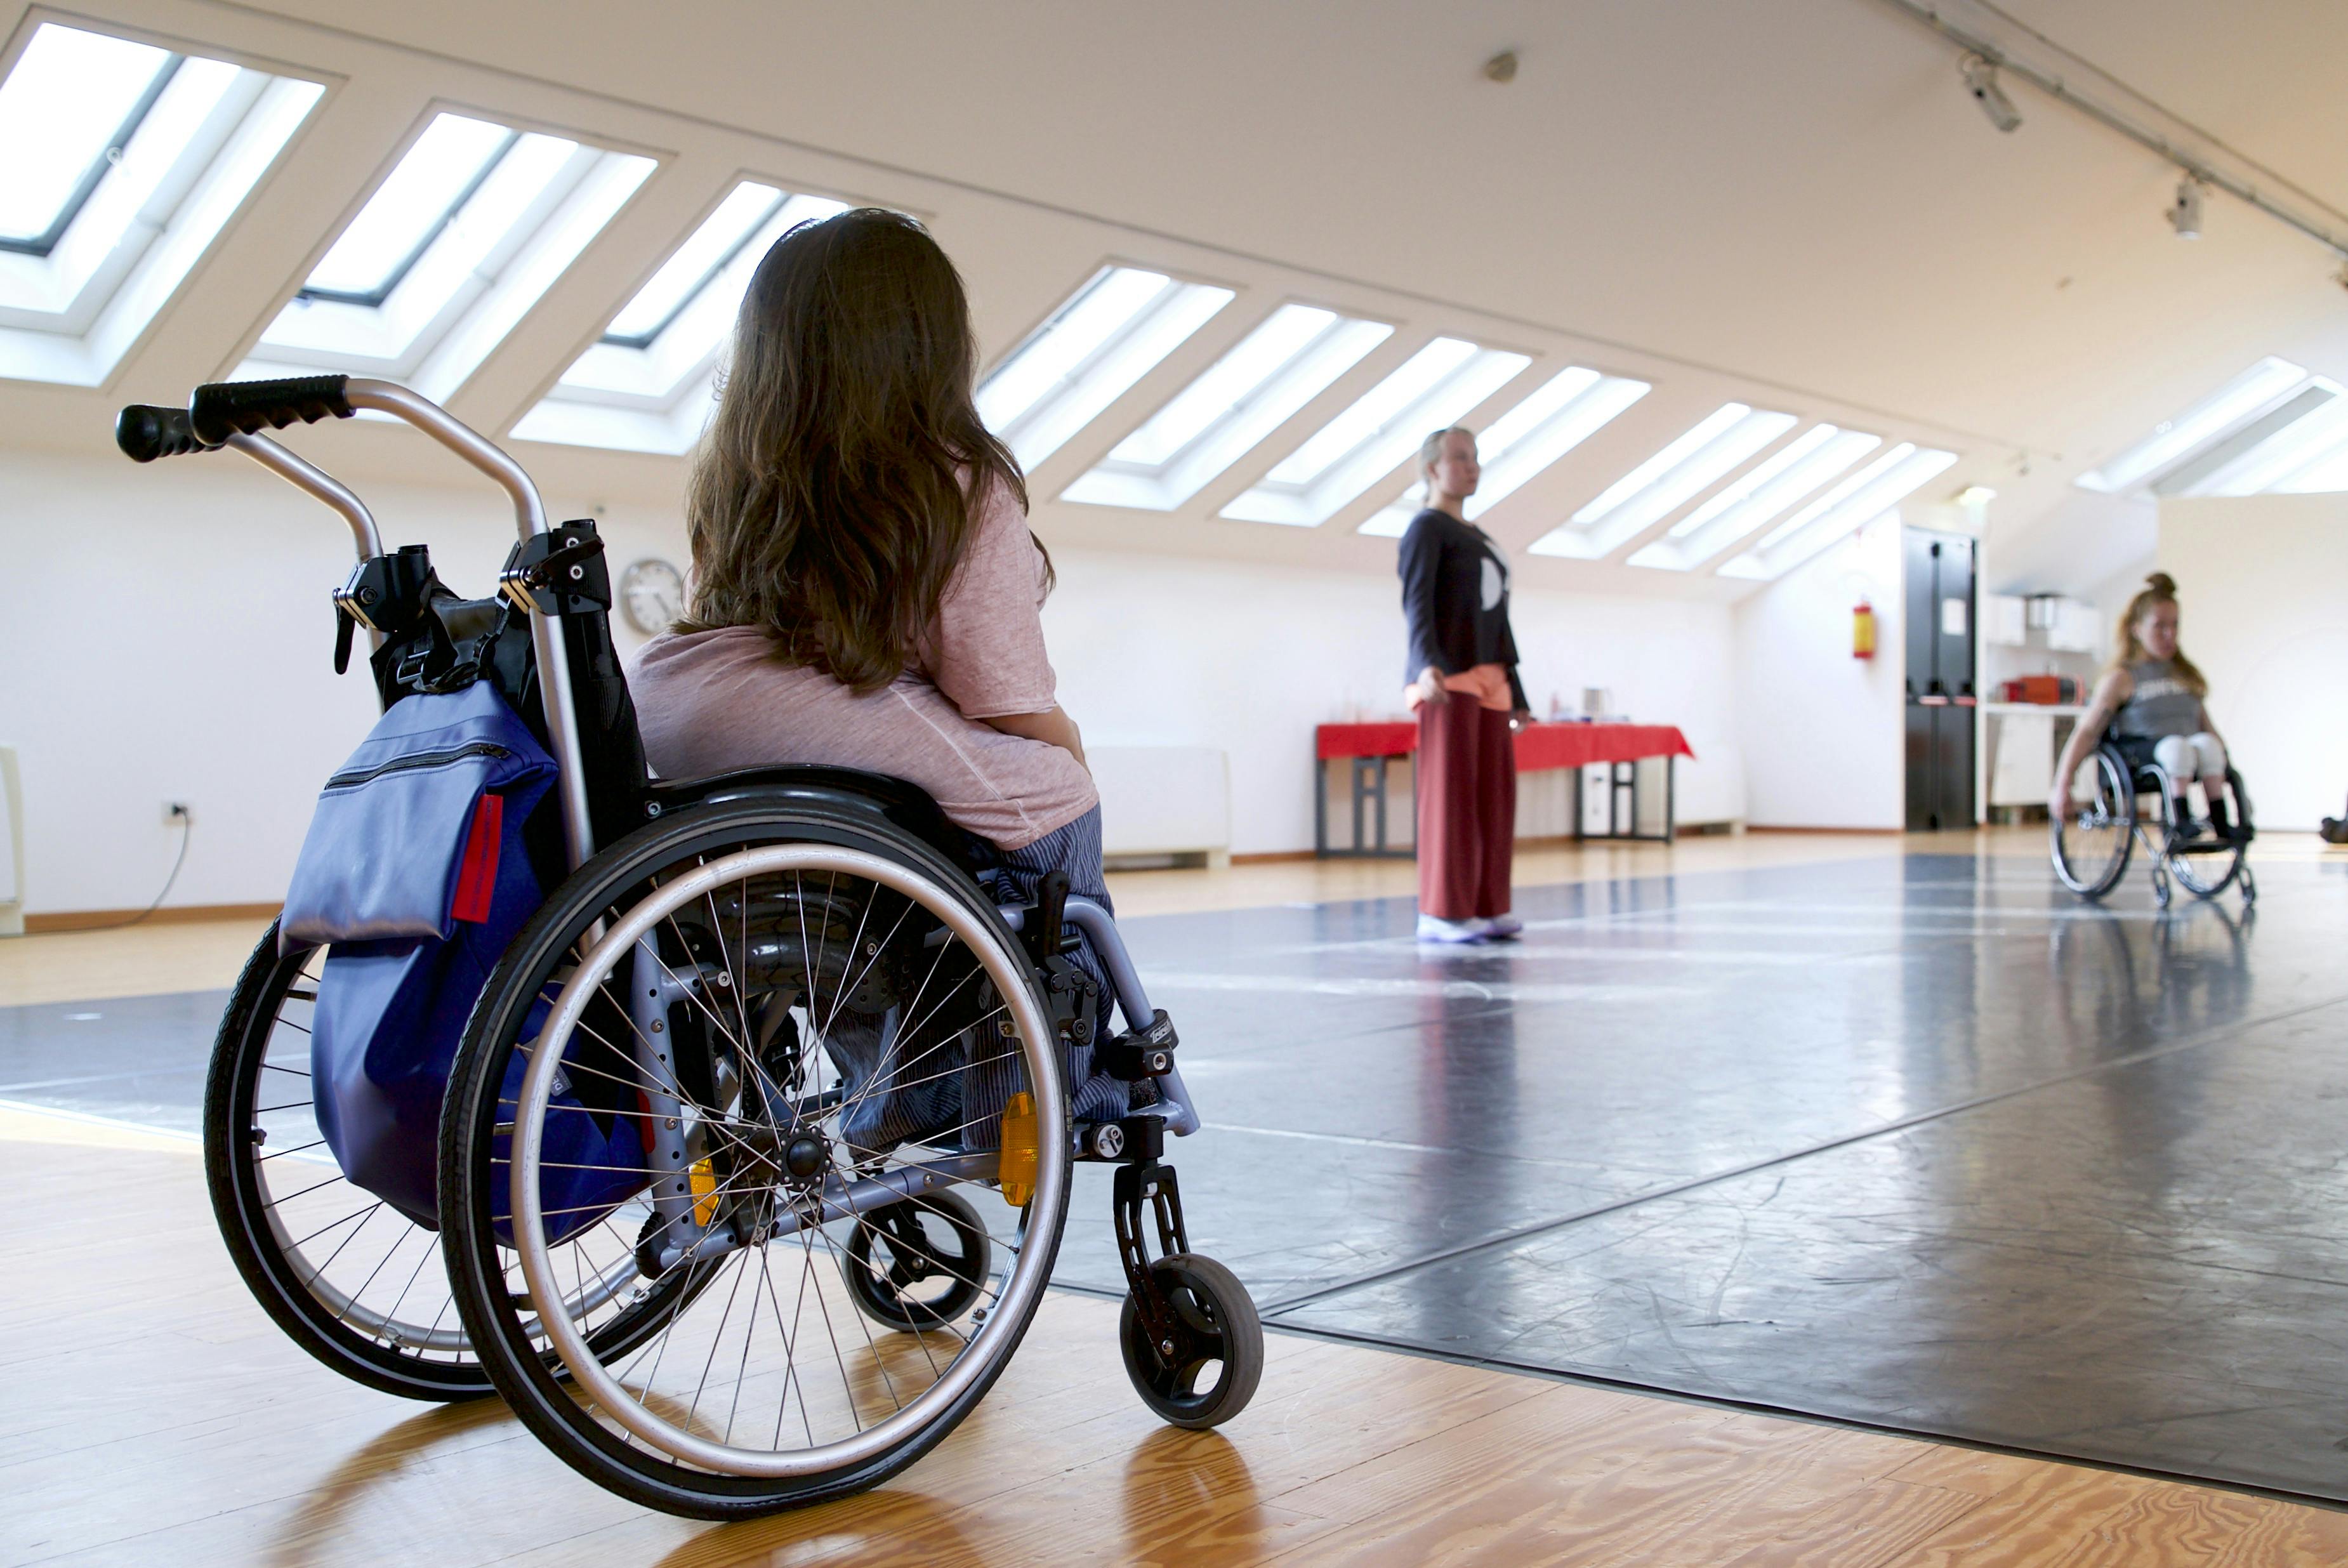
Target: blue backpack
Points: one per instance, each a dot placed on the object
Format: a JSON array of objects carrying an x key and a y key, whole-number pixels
[{"x": 415, "y": 876}]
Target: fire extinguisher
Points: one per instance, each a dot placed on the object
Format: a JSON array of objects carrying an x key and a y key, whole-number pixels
[{"x": 1862, "y": 630}]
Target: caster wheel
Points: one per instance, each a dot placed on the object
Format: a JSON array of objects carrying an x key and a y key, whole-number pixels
[
  {"x": 919, "y": 1264},
  {"x": 1216, "y": 1358}
]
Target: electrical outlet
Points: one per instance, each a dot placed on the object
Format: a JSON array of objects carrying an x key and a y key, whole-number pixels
[{"x": 178, "y": 812}]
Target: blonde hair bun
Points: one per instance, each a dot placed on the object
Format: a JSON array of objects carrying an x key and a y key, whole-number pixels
[{"x": 2161, "y": 583}]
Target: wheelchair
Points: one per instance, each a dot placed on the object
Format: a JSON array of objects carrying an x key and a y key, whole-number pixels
[
  {"x": 2091, "y": 848},
  {"x": 844, "y": 1036}
]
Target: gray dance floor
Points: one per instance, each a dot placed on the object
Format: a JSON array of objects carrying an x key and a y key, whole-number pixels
[{"x": 1916, "y": 1141}]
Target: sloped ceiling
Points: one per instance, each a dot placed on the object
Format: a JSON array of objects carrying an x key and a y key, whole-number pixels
[{"x": 1792, "y": 202}]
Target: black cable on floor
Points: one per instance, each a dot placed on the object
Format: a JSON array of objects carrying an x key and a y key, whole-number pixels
[{"x": 187, "y": 831}]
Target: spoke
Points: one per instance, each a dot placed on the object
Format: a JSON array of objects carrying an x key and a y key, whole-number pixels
[
  {"x": 715, "y": 1340},
  {"x": 790, "y": 1354},
  {"x": 358, "y": 1214},
  {"x": 880, "y": 1361},
  {"x": 855, "y": 1413},
  {"x": 297, "y": 1148},
  {"x": 391, "y": 1314}
]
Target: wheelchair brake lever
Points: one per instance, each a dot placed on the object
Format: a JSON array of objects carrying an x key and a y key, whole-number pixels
[
  {"x": 344, "y": 628},
  {"x": 1052, "y": 908}
]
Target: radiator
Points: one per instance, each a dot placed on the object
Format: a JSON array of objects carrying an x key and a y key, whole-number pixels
[{"x": 1164, "y": 801}]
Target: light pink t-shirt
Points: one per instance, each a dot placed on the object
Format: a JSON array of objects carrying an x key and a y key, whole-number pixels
[{"x": 711, "y": 701}]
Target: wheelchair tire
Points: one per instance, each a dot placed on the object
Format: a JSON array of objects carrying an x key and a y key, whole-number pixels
[
  {"x": 638, "y": 1417},
  {"x": 1221, "y": 1334},
  {"x": 349, "y": 1279},
  {"x": 946, "y": 1249},
  {"x": 2091, "y": 851}
]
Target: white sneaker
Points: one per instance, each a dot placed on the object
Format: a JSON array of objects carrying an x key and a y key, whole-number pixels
[
  {"x": 1503, "y": 926},
  {"x": 1434, "y": 928}
]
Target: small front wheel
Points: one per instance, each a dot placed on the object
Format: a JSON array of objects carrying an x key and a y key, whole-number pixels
[
  {"x": 919, "y": 1264},
  {"x": 1208, "y": 1370}
]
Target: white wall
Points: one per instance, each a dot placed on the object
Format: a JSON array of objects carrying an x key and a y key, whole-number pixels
[
  {"x": 168, "y": 632},
  {"x": 165, "y": 633},
  {"x": 1821, "y": 730},
  {"x": 2262, "y": 583},
  {"x": 1156, "y": 651}
]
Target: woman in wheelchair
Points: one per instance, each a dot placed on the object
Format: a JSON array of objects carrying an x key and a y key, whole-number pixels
[
  {"x": 688, "y": 1085},
  {"x": 2150, "y": 699},
  {"x": 865, "y": 588}
]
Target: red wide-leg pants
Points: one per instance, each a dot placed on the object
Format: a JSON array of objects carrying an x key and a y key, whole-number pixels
[{"x": 1466, "y": 786}]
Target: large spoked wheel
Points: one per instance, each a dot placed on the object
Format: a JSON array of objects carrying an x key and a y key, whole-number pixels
[
  {"x": 2092, "y": 845},
  {"x": 349, "y": 1278},
  {"x": 2208, "y": 867},
  {"x": 1206, "y": 1371},
  {"x": 813, "y": 1021}
]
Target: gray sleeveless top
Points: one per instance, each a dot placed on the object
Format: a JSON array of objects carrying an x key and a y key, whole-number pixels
[{"x": 2159, "y": 704}]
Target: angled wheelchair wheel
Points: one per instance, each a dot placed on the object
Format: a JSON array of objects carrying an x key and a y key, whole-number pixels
[
  {"x": 2091, "y": 848},
  {"x": 812, "y": 1021},
  {"x": 348, "y": 1278}
]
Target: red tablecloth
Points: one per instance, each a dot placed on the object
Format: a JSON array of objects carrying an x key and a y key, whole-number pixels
[{"x": 1539, "y": 747}]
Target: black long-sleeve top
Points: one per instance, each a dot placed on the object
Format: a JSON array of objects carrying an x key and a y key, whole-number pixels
[{"x": 1455, "y": 598}]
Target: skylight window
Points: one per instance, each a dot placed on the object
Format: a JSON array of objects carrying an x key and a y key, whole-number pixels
[
  {"x": 1849, "y": 506},
  {"x": 2295, "y": 458},
  {"x": 1107, "y": 336},
  {"x": 1433, "y": 389},
  {"x": 2174, "y": 440},
  {"x": 119, "y": 163},
  {"x": 1223, "y": 415},
  {"x": 468, "y": 230},
  {"x": 1562, "y": 413},
  {"x": 72, "y": 99},
  {"x": 1765, "y": 492},
  {"x": 1716, "y": 446},
  {"x": 648, "y": 384}
]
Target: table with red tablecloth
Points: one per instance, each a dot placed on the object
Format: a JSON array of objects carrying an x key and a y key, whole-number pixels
[{"x": 1540, "y": 748}]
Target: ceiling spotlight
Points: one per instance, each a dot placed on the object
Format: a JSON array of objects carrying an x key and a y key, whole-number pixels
[
  {"x": 1502, "y": 67},
  {"x": 1974, "y": 495},
  {"x": 2185, "y": 213},
  {"x": 1981, "y": 80}
]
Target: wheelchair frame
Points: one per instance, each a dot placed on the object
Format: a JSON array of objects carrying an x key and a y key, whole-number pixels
[
  {"x": 2174, "y": 856},
  {"x": 556, "y": 576}
]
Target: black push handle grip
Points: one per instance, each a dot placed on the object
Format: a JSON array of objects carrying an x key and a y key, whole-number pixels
[
  {"x": 225, "y": 408},
  {"x": 144, "y": 433}
]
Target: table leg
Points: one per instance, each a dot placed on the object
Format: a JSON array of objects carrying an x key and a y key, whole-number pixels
[
  {"x": 1671, "y": 797},
  {"x": 1321, "y": 807}
]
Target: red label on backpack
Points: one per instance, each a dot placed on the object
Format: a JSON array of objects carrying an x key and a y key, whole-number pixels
[{"x": 477, "y": 875}]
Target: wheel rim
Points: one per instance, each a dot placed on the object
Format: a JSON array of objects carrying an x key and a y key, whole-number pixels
[
  {"x": 2091, "y": 844},
  {"x": 766, "y": 1194}
]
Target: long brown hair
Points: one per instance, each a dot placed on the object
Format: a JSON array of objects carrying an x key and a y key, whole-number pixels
[
  {"x": 2158, "y": 589},
  {"x": 835, "y": 492}
]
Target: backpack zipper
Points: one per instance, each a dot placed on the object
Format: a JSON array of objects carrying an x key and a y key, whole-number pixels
[{"x": 421, "y": 760}]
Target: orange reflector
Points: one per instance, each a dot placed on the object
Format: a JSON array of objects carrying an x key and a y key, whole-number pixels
[
  {"x": 1015, "y": 1172},
  {"x": 704, "y": 1193}
]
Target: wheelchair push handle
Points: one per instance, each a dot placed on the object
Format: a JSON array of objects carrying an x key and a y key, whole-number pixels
[
  {"x": 145, "y": 432},
  {"x": 220, "y": 409}
]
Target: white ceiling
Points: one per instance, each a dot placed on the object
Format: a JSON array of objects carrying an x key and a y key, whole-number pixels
[{"x": 1793, "y": 203}]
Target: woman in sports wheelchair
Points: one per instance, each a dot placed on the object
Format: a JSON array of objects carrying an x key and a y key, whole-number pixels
[
  {"x": 754, "y": 1151},
  {"x": 2147, "y": 733}
]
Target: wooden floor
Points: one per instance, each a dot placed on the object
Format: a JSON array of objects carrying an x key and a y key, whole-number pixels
[{"x": 154, "y": 1415}]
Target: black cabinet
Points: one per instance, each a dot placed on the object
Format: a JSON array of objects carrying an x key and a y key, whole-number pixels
[{"x": 1939, "y": 569}]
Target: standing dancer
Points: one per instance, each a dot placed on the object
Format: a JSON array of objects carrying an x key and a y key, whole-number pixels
[{"x": 1464, "y": 688}]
